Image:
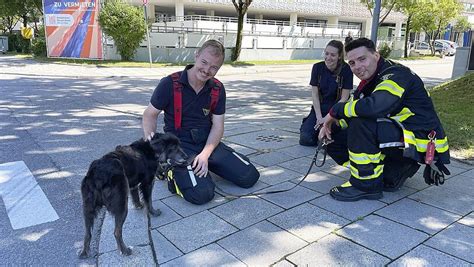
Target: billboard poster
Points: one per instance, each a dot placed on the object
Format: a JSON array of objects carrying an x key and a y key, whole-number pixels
[{"x": 72, "y": 28}]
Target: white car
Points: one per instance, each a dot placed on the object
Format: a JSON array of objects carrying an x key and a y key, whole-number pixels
[{"x": 450, "y": 46}]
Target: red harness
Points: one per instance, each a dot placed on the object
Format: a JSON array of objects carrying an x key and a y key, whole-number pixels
[{"x": 178, "y": 98}]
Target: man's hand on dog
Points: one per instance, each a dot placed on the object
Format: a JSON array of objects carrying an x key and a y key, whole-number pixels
[
  {"x": 149, "y": 136},
  {"x": 200, "y": 165}
]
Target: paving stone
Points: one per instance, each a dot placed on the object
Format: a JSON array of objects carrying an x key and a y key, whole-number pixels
[
  {"x": 469, "y": 173},
  {"x": 261, "y": 244},
  {"x": 135, "y": 231},
  {"x": 238, "y": 128},
  {"x": 298, "y": 151},
  {"x": 184, "y": 208},
  {"x": 271, "y": 158},
  {"x": 455, "y": 240},
  {"x": 446, "y": 199},
  {"x": 211, "y": 255},
  {"x": 141, "y": 256},
  {"x": 416, "y": 181},
  {"x": 468, "y": 220},
  {"x": 265, "y": 139},
  {"x": 426, "y": 256},
  {"x": 384, "y": 236},
  {"x": 164, "y": 250},
  {"x": 390, "y": 197},
  {"x": 196, "y": 231},
  {"x": 275, "y": 175},
  {"x": 300, "y": 165},
  {"x": 290, "y": 198},
  {"x": 308, "y": 222},
  {"x": 283, "y": 263},
  {"x": 349, "y": 210},
  {"x": 160, "y": 190},
  {"x": 241, "y": 149},
  {"x": 340, "y": 171},
  {"x": 455, "y": 170},
  {"x": 320, "y": 181},
  {"x": 461, "y": 184},
  {"x": 418, "y": 215},
  {"x": 333, "y": 250},
  {"x": 167, "y": 215},
  {"x": 243, "y": 212},
  {"x": 460, "y": 164}
]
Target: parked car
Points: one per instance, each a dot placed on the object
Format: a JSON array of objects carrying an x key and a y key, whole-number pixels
[
  {"x": 440, "y": 47},
  {"x": 451, "y": 47}
]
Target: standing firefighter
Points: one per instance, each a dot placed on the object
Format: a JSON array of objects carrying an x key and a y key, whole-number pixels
[{"x": 391, "y": 127}]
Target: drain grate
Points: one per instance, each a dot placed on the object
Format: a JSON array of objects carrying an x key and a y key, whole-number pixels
[{"x": 269, "y": 138}]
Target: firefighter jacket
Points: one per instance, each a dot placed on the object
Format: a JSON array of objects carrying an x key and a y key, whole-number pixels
[{"x": 395, "y": 92}]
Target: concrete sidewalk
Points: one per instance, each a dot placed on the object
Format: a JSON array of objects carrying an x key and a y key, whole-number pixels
[{"x": 418, "y": 225}]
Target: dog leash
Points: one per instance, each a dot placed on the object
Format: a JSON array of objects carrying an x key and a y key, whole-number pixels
[{"x": 320, "y": 150}]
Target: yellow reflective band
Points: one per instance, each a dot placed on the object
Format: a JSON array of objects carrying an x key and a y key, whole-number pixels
[
  {"x": 377, "y": 172},
  {"x": 391, "y": 87},
  {"x": 363, "y": 158},
  {"x": 441, "y": 145},
  {"x": 170, "y": 177},
  {"x": 346, "y": 164},
  {"x": 346, "y": 184},
  {"x": 404, "y": 114},
  {"x": 343, "y": 123},
  {"x": 349, "y": 109}
]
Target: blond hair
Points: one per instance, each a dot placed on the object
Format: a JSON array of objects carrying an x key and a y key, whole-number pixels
[{"x": 217, "y": 47}]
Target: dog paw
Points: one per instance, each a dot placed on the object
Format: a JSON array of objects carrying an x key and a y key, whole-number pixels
[
  {"x": 127, "y": 251},
  {"x": 154, "y": 212}
]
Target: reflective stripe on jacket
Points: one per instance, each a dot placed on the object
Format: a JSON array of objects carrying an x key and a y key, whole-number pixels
[{"x": 399, "y": 94}]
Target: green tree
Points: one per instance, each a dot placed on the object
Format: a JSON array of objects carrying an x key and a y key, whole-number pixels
[
  {"x": 27, "y": 10},
  {"x": 434, "y": 17},
  {"x": 241, "y": 6},
  {"x": 386, "y": 7},
  {"x": 409, "y": 8},
  {"x": 125, "y": 24},
  {"x": 461, "y": 25}
]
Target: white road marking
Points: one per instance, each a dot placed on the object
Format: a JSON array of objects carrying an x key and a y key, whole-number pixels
[{"x": 25, "y": 201}]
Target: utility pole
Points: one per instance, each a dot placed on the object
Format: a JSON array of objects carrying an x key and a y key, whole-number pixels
[
  {"x": 147, "y": 33},
  {"x": 375, "y": 21}
]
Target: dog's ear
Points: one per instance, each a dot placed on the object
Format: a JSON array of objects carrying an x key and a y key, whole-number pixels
[{"x": 157, "y": 143}]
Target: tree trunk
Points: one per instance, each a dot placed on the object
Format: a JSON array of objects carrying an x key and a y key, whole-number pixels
[
  {"x": 238, "y": 43},
  {"x": 407, "y": 36}
]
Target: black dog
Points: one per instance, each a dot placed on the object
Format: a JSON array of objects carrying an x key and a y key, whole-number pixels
[{"x": 128, "y": 168}]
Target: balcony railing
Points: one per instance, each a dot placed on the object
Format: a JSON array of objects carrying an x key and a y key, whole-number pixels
[
  {"x": 177, "y": 29},
  {"x": 255, "y": 21}
]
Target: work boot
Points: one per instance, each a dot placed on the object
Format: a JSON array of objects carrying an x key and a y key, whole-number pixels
[
  {"x": 347, "y": 192},
  {"x": 406, "y": 171}
]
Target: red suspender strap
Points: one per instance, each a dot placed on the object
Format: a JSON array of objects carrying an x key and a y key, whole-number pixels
[
  {"x": 177, "y": 100},
  {"x": 215, "y": 94}
]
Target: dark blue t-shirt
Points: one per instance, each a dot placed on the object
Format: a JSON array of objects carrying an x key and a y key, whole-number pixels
[
  {"x": 195, "y": 107},
  {"x": 322, "y": 77}
]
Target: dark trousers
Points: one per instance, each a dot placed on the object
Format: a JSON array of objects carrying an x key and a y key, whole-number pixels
[
  {"x": 373, "y": 151},
  {"x": 309, "y": 136},
  {"x": 224, "y": 161}
]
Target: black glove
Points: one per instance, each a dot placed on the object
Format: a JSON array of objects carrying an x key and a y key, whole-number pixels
[{"x": 434, "y": 173}]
